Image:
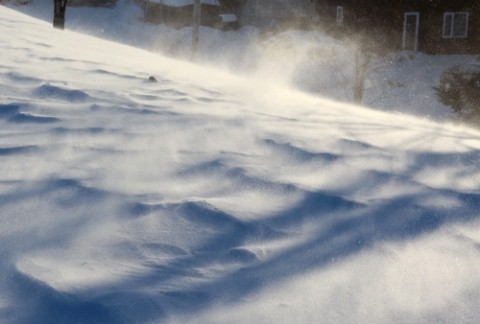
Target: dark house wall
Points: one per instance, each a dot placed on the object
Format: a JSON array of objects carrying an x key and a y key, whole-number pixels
[
  {"x": 180, "y": 17},
  {"x": 231, "y": 6},
  {"x": 91, "y": 3},
  {"x": 384, "y": 21},
  {"x": 431, "y": 39},
  {"x": 272, "y": 14}
]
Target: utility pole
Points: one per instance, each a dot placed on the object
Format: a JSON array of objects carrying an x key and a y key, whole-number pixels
[{"x": 197, "y": 13}]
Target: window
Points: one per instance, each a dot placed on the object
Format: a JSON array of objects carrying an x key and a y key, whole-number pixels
[
  {"x": 455, "y": 24},
  {"x": 339, "y": 15}
]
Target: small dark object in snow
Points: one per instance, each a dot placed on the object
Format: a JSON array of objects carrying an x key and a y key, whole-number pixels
[{"x": 152, "y": 79}]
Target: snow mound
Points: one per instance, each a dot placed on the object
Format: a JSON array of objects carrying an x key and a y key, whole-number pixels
[
  {"x": 209, "y": 198},
  {"x": 48, "y": 91}
]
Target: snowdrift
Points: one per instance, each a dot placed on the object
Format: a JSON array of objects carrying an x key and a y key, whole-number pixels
[{"x": 208, "y": 198}]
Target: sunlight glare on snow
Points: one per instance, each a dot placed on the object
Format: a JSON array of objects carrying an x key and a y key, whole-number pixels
[{"x": 211, "y": 198}]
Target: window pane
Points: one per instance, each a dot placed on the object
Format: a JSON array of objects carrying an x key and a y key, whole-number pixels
[
  {"x": 447, "y": 25},
  {"x": 339, "y": 14},
  {"x": 460, "y": 25}
]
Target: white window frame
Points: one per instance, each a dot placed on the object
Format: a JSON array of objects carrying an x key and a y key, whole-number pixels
[
  {"x": 417, "y": 27},
  {"x": 339, "y": 18},
  {"x": 451, "y": 15}
]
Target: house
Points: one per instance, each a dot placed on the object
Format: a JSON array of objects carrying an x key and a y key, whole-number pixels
[
  {"x": 430, "y": 26},
  {"x": 231, "y": 14},
  {"x": 267, "y": 14},
  {"x": 91, "y": 3},
  {"x": 179, "y": 13}
]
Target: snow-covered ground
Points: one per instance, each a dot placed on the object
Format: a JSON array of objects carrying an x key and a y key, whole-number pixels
[
  {"x": 308, "y": 60},
  {"x": 207, "y": 197}
]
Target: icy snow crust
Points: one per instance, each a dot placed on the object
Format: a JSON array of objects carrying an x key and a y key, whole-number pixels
[{"x": 207, "y": 198}]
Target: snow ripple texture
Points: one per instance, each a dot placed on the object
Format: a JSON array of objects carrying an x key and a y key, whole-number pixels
[{"x": 207, "y": 198}]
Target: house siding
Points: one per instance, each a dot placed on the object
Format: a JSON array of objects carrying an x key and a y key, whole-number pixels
[
  {"x": 181, "y": 16},
  {"x": 274, "y": 13},
  {"x": 91, "y": 3},
  {"x": 431, "y": 39},
  {"x": 384, "y": 20}
]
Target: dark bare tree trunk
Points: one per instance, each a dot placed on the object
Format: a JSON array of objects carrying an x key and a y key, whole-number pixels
[
  {"x": 364, "y": 48},
  {"x": 59, "y": 9},
  {"x": 359, "y": 78},
  {"x": 197, "y": 12},
  {"x": 362, "y": 61}
]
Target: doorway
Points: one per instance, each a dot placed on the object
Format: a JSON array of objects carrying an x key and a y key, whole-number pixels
[{"x": 410, "y": 31}]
